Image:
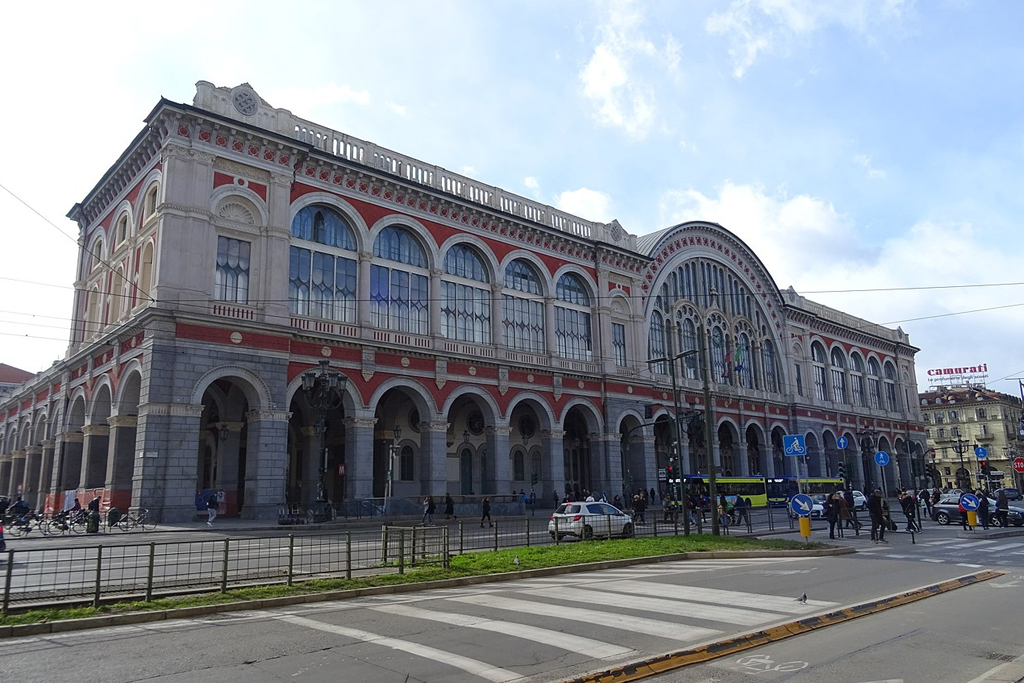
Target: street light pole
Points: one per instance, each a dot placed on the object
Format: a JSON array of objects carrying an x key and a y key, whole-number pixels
[
  {"x": 960, "y": 446},
  {"x": 396, "y": 436},
  {"x": 709, "y": 419},
  {"x": 323, "y": 388}
]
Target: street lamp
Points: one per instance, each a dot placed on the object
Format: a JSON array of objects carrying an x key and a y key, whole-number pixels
[
  {"x": 323, "y": 389},
  {"x": 868, "y": 440},
  {"x": 396, "y": 437},
  {"x": 671, "y": 359}
]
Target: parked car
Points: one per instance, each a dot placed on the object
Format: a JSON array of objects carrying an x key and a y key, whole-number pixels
[
  {"x": 1012, "y": 494},
  {"x": 860, "y": 501},
  {"x": 947, "y": 511},
  {"x": 589, "y": 520}
]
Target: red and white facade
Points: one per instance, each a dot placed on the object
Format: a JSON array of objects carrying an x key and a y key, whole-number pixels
[{"x": 233, "y": 246}]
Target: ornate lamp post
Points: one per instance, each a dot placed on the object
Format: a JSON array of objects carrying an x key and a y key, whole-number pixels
[
  {"x": 868, "y": 440},
  {"x": 963, "y": 475},
  {"x": 323, "y": 389}
]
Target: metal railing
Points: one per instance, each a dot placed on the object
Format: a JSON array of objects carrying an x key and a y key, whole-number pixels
[{"x": 94, "y": 574}]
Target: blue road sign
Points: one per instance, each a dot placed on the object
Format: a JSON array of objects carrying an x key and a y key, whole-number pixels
[
  {"x": 970, "y": 501},
  {"x": 801, "y": 505},
  {"x": 842, "y": 442},
  {"x": 794, "y": 445},
  {"x": 882, "y": 458},
  {"x": 981, "y": 452}
]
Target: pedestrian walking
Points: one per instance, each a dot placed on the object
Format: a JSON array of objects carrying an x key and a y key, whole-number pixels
[
  {"x": 1002, "y": 509},
  {"x": 428, "y": 511},
  {"x": 850, "y": 519},
  {"x": 982, "y": 508},
  {"x": 485, "y": 511},
  {"x": 741, "y": 510},
  {"x": 212, "y": 505},
  {"x": 878, "y": 508},
  {"x": 533, "y": 502},
  {"x": 449, "y": 507}
]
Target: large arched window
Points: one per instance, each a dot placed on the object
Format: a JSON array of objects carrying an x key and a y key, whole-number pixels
[
  {"x": 718, "y": 368},
  {"x": 145, "y": 275},
  {"x": 771, "y": 365},
  {"x": 688, "y": 342},
  {"x": 838, "y": 377},
  {"x": 818, "y": 368},
  {"x": 572, "y": 320},
  {"x": 322, "y": 282},
  {"x": 117, "y": 295},
  {"x": 465, "y": 308},
  {"x": 874, "y": 386},
  {"x": 523, "y": 316},
  {"x": 744, "y": 361},
  {"x": 858, "y": 396},
  {"x": 121, "y": 229},
  {"x": 149, "y": 203},
  {"x": 399, "y": 292},
  {"x": 656, "y": 343},
  {"x": 891, "y": 399}
]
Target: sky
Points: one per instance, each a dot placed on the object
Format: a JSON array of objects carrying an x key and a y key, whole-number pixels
[{"x": 868, "y": 151}]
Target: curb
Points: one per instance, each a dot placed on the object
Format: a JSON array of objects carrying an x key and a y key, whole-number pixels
[
  {"x": 42, "y": 628},
  {"x": 655, "y": 666}
]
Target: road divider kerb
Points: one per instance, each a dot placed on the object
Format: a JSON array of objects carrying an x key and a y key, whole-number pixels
[
  {"x": 131, "y": 618},
  {"x": 654, "y": 666}
]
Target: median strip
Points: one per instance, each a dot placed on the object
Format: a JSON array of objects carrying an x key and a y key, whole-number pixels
[{"x": 654, "y": 666}]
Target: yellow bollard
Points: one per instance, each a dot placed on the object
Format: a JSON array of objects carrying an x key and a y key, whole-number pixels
[
  {"x": 972, "y": 518},
  {"x": 805, "y": 526}
]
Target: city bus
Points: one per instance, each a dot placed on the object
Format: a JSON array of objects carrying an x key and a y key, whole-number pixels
[
  {"x": 752, "y": 488},
  {"x": 781, "y": 489}
]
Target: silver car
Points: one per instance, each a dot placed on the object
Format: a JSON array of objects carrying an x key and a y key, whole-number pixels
[{"x": 589, "y": 520}]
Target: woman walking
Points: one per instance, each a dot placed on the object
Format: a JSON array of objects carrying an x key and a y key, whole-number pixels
[
  {"x": 428, "y": 511},
  {"x": 485, "y": 509}
]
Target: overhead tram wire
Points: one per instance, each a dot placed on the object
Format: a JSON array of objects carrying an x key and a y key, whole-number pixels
[{"x": 109, "y": 267}]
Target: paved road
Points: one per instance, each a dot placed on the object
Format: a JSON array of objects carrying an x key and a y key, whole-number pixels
[{"x": 530, "y": 630}]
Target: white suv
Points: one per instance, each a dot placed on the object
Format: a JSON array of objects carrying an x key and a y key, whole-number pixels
[{"x": 589, "y": 520}]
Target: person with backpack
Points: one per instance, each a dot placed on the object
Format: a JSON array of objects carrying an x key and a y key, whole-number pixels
[{"x": 212, "y": 504}]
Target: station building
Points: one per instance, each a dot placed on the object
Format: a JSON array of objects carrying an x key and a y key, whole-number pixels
[{"x": 487, "y": 343}]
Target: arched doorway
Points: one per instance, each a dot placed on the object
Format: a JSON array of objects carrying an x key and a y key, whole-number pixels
[{"x": 576, "y": 455}]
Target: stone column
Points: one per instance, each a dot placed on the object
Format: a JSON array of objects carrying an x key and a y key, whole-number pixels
[
  {"x": 266, "y": 456},
  {"x": 769, "y": 461},
  {"x": 359, "y": 457},
  {"x": 30, "y": 478},
  {"x": 6, "y": 465},
  {"x": 45, "y": 481},
  {"x": 120, "y": 460},
  {"x": 498, "y": 313},
  {"x": 94, "y": 462},
  {"x": 499, "y": 473},
  {"x": 686, "y": 463},
  {"x": 166, "y": 460},
  {"x": 716, "y": 453},
  {"x": 606, "y": 463},
  {"x": 741, "y": 459},
  {"x": 551, "y": 341},
  {"x": 434, "y": 292},
  {"x": 554, "y": 456},
  {"x": 433, "y": 458},
  {"x": 363, "y": 287}
]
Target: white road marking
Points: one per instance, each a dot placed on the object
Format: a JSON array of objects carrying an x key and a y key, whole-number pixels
[
  {"x": 718, "y": 597},
  {"x": 931, "y": 559},
  {"x": 944, "y": 542},
  {"x": 898, "y": 557},
  {"x": 1000, "y": 548},
  {"x": 652, "y": 627},
  {"x": 970, "y": 566},
  {"x": 571, "y": 643},
  {"x": 473, "y": 666},
  {"x": 729, "y": 615}
]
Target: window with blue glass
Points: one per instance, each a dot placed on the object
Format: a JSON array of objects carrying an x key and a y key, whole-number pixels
[
  {"x": 572, "y": 318},
  {"x": 232, "y": 279},
  {"x": 465, "y": 307},
  {"x": 523, "y": 314},
  {"x": 322, "y": 283},
  {"x": 399, "y": 292}
]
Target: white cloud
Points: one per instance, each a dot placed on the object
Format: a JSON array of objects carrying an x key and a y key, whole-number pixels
[
  {"x": 586, "y": 203},
  {"x": 533, "y": 185},
  {"x": 756, "y": 27},
  {"x": 612, "y": 79},
  {"x": 467, "y": 170},
  {"x": 873, "y": 173},
  {"x": 399, "y": 109}
]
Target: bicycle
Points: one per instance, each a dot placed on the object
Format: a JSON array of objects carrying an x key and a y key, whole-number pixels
[{"x": 760, "y": 662}]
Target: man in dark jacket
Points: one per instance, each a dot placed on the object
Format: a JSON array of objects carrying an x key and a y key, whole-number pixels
[{"x": 877, "y": 512}]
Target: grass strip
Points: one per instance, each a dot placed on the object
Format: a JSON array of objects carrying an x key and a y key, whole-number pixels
[{"x": 471, "y": 564}]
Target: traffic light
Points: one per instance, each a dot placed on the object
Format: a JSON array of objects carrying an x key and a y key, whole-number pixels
[
  {"x": 533, "y": 478},
  {"x": 842, "y": 471}
]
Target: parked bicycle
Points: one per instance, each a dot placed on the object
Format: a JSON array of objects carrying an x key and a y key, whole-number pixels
[
  {"x": 66, "y": 522},
  {"x": 139, "y": 519}
]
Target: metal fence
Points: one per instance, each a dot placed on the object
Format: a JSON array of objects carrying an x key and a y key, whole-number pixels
[{"x": 100, "y": 573}]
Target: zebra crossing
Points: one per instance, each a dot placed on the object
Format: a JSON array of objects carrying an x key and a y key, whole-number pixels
[
  {"x": 575, "y": 620},
  {"x": 968, "y": 553}
]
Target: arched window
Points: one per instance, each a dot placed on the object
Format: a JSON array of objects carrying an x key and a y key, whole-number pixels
[
  {"x": 519, "y": 465},
  {"x": 117, "y": 295},
  {"x": 718, "y": 368},
  {"x": 656, "y": 343},
  {"x": 691, "y": 363},
  {"x": 399, "y": 292},
  {"x": 149, "y": 203},
  {"x": 96, "y": 254},
  {"x": 818, "y": 368},
  {"x": 891, "y": 398},
  {"x": 572, "y": 321},
  {"x": 771, "y": 371},
  {"x": 744, "y": 361},
  {"x": 838, "y": 377},
  {"x": 874, "y": 387},
  {"x": 93, "y": 307},
  {"x": 121, "y": 230},
  {"x": 523, "y": 315},
  {"x": 859, "y": 397},
  {"x": 322, "y": 283},
  {"x": 465, "y": 308},
  {"x": 145, "y": 274},
  {"x": 406, "y": 468},
  {"x": 232, "y": 281}
]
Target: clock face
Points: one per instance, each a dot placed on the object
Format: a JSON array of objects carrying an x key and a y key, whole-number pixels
[{"x": 245, "y": 101}]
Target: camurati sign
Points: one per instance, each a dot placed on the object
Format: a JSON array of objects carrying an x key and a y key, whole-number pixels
[{"x": 966, "y": 370}]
